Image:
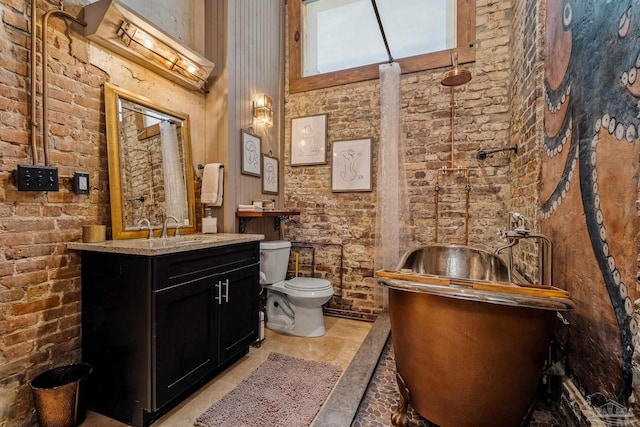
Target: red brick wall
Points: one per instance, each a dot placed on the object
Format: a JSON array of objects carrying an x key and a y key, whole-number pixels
[{"x": 39, "y": 278}]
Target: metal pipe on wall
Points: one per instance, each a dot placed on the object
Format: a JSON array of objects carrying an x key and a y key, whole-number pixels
[
  {"x": 312, "y": 246},
  {"x": 452, "y": 78},
  {"x": 460, "y": 170},
  {"x": 45, "y": 85},
  {"x": 32, "y": 81}
]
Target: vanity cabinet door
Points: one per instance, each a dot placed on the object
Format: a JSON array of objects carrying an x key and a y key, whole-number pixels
[
  {"x": 185, "y": 335},
  {"x": 238, "y": 310}
]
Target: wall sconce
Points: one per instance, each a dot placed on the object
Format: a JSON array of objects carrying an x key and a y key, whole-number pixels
[
  {"x": 120, "y": 29},
  {"x": 263, "y": 110}
]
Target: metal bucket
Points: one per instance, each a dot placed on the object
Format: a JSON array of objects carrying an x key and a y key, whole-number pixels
[{"x": 58, "y": 397}]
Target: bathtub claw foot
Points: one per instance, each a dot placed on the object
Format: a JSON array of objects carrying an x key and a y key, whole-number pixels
[{"x": 399, "y": 416}]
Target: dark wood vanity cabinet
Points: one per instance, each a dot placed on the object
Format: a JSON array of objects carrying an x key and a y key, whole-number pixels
[{"x": 156, "y": 327}]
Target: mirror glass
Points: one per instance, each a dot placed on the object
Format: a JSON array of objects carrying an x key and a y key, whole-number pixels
[{"x": 150, "y": 170}]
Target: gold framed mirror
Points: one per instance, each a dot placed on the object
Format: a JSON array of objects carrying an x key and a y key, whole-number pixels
[{"x": 150, "y": 171}]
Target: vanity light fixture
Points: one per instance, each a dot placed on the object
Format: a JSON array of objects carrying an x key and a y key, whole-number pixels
[
  {"x": 263, "y": 110},
  {"x": 122, "y": 30}
]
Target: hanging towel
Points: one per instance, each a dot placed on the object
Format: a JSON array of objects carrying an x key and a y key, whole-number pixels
[{"x": 212, "y": 184}]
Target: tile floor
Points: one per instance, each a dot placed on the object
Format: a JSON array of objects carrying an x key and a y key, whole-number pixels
[
  {"x": 337, "y": 346},
  {"x": 376, "y": 398}
]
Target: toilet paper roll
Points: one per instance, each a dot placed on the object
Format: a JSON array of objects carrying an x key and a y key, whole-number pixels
[{"x": 94, "y": 233}]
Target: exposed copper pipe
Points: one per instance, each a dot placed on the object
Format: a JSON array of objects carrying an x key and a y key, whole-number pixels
[
  {"x": 33, "y": 76},
  {"x": 45, "y": 88},
  {"x": 452, "y": 78},
  {"x": 467, "y": 188},
  {"x": 453, "y": 115},
  {"x": 437, "y": 212}
]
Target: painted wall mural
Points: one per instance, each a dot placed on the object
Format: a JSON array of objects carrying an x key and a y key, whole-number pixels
[{"x": 590, "y": 182}]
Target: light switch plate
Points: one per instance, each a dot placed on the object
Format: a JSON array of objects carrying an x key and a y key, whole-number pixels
[{"x": 37, "y": 178}]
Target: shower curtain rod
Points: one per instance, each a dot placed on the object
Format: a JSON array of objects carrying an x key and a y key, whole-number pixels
[
  {"x": 384, "y": 37},
  {"x": 162, "y": 119}
]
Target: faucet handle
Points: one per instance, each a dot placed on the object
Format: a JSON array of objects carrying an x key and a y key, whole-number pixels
[{"x": 518, "y": 219}]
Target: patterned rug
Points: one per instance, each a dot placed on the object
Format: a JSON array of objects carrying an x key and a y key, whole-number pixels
[{"x": 283, "y": 391}]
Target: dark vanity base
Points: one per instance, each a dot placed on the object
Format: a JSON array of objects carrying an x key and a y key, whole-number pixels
[
  {"x": 112, "y": 407},
  {"x": 156, "y": 328}
]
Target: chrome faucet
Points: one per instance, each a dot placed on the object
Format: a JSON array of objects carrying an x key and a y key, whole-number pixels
[
  {"x": 145, "y": 221},
  {"x": 515, "y": 232},
  {"x": 164, "y": 226}
]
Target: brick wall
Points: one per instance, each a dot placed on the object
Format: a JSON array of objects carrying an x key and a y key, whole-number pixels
[
  {"x": 40, "y": 289},
  {"x": 39, "y": 278},
  {"x": 482, "y": 122},
  {"x": 527, "y": 75}
]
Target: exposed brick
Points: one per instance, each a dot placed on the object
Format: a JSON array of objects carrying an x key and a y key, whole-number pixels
[
  {"x": 34, "y": 306},
  {"x": 19, "y": 337},
  {"x": 15, "y": 323},
  {"x": 24, "y": 279},
  {"x": 15, "y": 20},
  {"x": 11, "y": 295},
  {"x": 29, "y": 264},
  {"x": 14, "y": 135}
]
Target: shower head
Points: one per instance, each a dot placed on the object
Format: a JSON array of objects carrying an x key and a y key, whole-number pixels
[{"x": 457, "y": 76}]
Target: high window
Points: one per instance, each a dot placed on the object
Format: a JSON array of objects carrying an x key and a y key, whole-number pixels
[{"x": 333, "y": 42}]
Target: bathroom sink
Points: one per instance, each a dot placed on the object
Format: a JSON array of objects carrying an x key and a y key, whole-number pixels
[
  {"x": 188, "y": 239},
  {"x": 160, "y": 246},
  {"x": 455, "y": 261}
]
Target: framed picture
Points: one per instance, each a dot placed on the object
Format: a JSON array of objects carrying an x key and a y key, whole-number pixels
[
  {"x": 269, "y": 175},
  {"x": 309, "y": 140},
  {"x": 351, "y": 165},
  {"x": 250, "y": 153}
]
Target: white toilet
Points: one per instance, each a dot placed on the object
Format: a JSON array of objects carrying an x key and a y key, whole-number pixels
[{"x": 293, "y": 306}]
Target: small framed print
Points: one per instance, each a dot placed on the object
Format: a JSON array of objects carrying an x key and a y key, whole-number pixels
[
  {"x": 309, "y": 140},
  {"x": 269, "y": 175},
  {"x": 351, "y": 166},
  {"x": 250, "y": 153}
]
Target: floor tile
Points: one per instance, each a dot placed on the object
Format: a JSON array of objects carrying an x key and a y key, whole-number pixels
[{"x": 337, "y": 346}]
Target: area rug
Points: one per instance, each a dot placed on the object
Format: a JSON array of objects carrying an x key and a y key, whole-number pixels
[{"x": 283, "y": 391}]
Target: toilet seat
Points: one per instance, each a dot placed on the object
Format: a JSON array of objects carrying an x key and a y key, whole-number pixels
[
  {"x": 306, "y": 288},
  {"x": 308, "y": 284}
]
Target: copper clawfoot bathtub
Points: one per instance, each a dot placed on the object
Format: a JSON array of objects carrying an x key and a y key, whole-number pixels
[{"x": 469, "y": 347}]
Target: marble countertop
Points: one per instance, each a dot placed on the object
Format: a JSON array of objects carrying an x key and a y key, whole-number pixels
[{"x": 169, "y": 245}]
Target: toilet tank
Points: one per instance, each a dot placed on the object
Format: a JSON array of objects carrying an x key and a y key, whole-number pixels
[{"x": 274, "y": 260}]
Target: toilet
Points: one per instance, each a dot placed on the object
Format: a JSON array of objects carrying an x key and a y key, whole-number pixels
[{"x": 293, "y": 306}]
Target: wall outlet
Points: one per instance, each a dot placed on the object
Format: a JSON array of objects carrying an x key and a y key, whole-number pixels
[
  {"x": 81, "y": 183},
  {"x": 37, "y": 178}
]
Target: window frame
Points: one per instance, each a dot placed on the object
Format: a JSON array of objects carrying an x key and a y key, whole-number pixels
[{"x": 465, "y": 42}]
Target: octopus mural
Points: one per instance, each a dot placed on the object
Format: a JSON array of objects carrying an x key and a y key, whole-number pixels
[{"x": 589, "y": 181}]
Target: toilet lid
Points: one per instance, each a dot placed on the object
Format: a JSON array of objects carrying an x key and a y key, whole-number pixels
[{"x": 307, "y": 284}]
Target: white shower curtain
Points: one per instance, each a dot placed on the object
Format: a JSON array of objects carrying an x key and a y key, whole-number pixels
[
  {"x": 174, "y": 184},
  {"x": 393, "y": 220}
]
